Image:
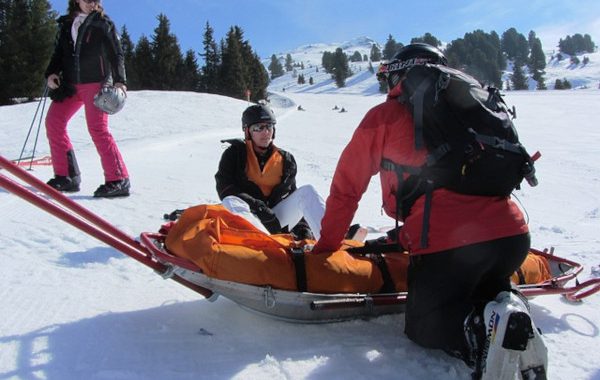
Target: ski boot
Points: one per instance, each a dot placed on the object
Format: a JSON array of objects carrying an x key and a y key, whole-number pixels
[
  {"x": 70, "y": 183},
  {"x": 112, "y": 189},
  {"x": 511, "y": 344}
]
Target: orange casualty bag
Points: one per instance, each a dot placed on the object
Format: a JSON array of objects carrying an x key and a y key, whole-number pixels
[
  {"x": 533, "y": 270},
  {"x": 228, "y": 247}
]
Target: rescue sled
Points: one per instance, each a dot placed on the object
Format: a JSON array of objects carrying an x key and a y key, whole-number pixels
[{"x": 289, "y": 305}]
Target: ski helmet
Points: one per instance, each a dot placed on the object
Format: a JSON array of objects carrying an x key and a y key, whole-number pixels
[
  {"x": 110, "y": 99},
  {"x": 408, "y": 56},
  {"x": 257, "y": 113}
]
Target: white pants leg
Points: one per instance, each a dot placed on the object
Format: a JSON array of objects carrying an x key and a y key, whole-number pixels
[
  {"x": 304, "y": 202},
  {"x": 237, "y": 206}
]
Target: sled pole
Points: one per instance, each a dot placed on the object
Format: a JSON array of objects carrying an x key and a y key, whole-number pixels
[
  {"x": 135, "y": 252},
  {"x": 67, "y": 202},
  {"x": 365, "y": 302}
]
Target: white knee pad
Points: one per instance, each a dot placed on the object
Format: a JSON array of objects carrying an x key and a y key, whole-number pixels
[{"x": 513, "y": 344}]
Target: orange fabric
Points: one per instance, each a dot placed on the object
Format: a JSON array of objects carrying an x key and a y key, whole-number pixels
[
  {"x": 535, "y": 269},
  {"x": 271, "y": 174},
  {"x": 228, "y": 247}
]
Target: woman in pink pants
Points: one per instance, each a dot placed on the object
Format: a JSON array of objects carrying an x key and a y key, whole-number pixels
[{"x": 87, "y": 56}]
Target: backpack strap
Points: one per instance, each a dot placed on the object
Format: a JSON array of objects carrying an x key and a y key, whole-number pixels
[
  {"x": 497, "y": 142},
  {"x": 417, "y": 101},
  {"x": 406, "y": 198},
  {"x": 300, "y": 266}
]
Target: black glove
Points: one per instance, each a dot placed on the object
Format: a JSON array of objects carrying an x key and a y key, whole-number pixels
[
  {"x": 268, "y": 219},
  {"x": 65, "y": 90},
  {"x": 302, "y": 231}
]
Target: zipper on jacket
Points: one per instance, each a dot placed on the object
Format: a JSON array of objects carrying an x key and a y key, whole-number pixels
[{"x": 77, "y": 52}]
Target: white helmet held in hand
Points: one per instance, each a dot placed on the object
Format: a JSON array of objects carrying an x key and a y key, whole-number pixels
[{"x": 110, "y": 99}]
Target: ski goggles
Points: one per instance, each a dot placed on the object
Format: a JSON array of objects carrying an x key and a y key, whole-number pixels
[
  {"x": 261, "y": 127},
  {"x": 91, "y": 1}
]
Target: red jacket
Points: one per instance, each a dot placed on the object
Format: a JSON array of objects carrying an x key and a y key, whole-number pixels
[{"x": 456, "y": 220}]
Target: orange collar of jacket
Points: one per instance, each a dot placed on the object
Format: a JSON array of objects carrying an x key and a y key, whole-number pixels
[{"x": 270, "y": 176}]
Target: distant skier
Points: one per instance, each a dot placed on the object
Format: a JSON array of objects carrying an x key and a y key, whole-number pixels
[
  {"x": 300, "y": 108},
  {"x": 343, "y": 110},
  {"x": 335, "y": 108}
]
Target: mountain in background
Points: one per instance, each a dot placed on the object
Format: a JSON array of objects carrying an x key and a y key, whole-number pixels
[{"x": 363, "y": 82}]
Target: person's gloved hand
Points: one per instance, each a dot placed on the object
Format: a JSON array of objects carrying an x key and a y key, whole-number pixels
[{"x": 268, "y": 218}]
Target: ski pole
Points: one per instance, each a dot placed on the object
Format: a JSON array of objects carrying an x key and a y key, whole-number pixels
[
  {"x": 37, "y": 135},
  {"x": 32, "y": 123}
]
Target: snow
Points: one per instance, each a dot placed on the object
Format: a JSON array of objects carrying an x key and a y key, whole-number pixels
[{"x": 74, "y": 308}]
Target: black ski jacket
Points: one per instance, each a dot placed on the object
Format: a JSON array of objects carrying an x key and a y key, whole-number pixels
[
  {"x": 97, "y": 56},
  {"x": 232, "y": 179}
]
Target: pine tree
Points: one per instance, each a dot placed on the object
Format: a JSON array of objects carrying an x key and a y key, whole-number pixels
[
  {"x": 190, "y": 73},
  {"x": 327, "y": 61},
  {"x": 537, "y": 60},
  {"x": 478, "y": 54},
  {"x": 232, "y": 79},
  {"x": 427, "y": 38},
  {"x": 519, "y": 80},
  {"x": 288, "y": 63},
  {"x": 27, "y": 33},
  {"x": 341, "y": 71},
  {"x": 143, "y": 65},
  {"x": 209, "y": 81},
  {"x": 129, "y": 55},
  {"x": 166, "y": 55},
  {"x": 558, "y": 85},
  {"x": 390, "y": 48},
  {"x": 356, "y": 57},
  {"x": 311, "y": 81},
  {"x": 514, "y": 45},
  {"x": 375, "y": 53},
  {"x": 275, "y": 67}
]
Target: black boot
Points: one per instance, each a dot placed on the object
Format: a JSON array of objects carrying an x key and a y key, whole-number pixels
[
  {"x": 74, "y": 172},
  {"x": 64, "y": 184},
  {"x": 70, "y": 183},
  {"x": 118, "y": 188}
]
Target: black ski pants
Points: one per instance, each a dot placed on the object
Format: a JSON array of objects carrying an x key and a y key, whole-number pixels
[{"x": 444, "y": 287}]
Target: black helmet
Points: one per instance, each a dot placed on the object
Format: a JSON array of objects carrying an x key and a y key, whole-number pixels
[
  {"x": 257, "y": 113},
  {"x": 408, "y": 56}
]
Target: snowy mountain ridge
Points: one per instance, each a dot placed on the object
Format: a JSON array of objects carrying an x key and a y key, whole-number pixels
[{"x": 579, "y": 75}]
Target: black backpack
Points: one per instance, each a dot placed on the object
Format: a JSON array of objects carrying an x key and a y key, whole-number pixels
[{"x": 472, "y": 145}]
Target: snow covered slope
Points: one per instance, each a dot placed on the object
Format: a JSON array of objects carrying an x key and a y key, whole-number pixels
[{"x": 76, "y": 309}]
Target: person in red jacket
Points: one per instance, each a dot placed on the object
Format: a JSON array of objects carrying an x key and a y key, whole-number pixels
[
  {"x": 87, "y": 56},
  {"x": 474, "y": 243}
]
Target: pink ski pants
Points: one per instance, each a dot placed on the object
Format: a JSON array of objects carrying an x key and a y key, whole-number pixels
[{"x": 59, "y": 115}]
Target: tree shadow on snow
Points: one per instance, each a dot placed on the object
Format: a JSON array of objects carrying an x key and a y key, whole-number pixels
[{"x": 203, "y": 340}]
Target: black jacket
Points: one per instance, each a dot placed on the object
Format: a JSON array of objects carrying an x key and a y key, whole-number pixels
[
  {"x": 97, "y": 56},
  {"x": 232, "y": 179}
]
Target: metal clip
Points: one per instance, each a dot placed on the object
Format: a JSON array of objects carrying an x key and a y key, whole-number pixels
[
  {"x": 269, "y": 297},
  {"x": 168, "y": 273}
]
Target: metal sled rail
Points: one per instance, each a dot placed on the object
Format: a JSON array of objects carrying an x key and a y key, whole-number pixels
[{"x": 83, "y": 219}]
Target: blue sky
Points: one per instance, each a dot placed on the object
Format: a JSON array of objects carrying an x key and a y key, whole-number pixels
[{"x": 275, "y": 26}]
